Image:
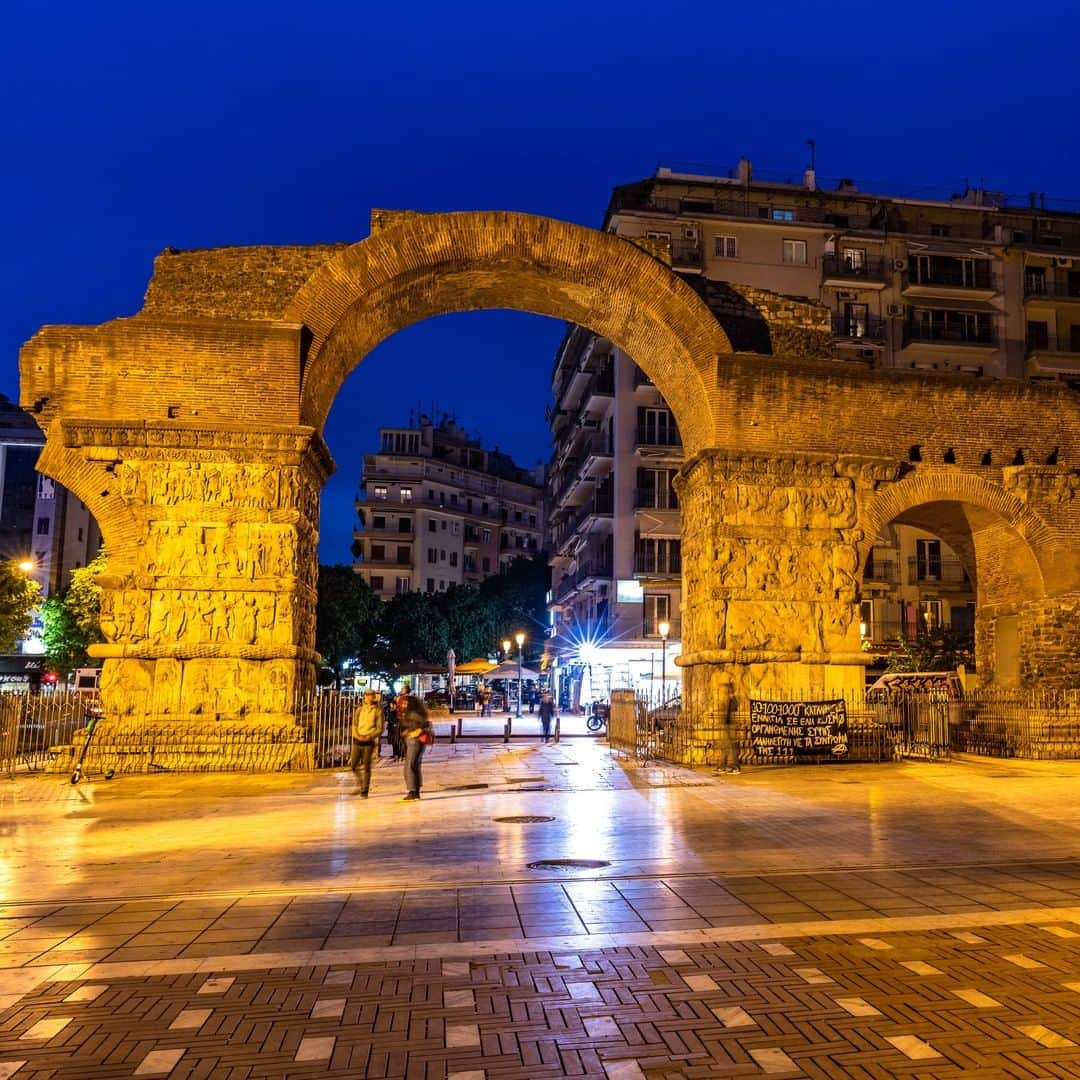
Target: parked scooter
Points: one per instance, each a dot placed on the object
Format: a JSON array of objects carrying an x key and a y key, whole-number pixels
[{"x": 94, "y": 713}]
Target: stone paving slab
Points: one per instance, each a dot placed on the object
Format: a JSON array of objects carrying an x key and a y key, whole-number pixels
[{"x": 821, "y": 1006}]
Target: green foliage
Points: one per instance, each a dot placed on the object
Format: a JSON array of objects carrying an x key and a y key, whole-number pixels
[
  {"x": 943, "y": 649},
  {"x": 72, "y": 620},
  {"x": 347, "y": 618},
  {"x": 19, "y": 595}
]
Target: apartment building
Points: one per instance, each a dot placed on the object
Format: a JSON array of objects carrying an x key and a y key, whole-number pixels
[
  {"x": 975, "y": 283},
  {"x": 437, "y": 509}
]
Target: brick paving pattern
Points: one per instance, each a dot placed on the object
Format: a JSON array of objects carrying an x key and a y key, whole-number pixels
[{"x": 938, "y": 1004}]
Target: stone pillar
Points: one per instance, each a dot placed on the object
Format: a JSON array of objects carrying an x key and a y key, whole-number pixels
[
  {"x": 771, "y": 576},
  {"x": 208, "y": 604}
]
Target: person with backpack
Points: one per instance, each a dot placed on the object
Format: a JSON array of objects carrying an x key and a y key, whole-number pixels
[
  {"x": 418, "y": 735},
  {"x": 367, "y": 723}
]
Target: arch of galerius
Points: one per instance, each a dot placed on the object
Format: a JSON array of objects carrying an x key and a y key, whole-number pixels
[{"x": 192, "y": 430}]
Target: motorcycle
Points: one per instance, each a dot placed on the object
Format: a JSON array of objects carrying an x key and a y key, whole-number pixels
[{"x": 598, "y": 717}]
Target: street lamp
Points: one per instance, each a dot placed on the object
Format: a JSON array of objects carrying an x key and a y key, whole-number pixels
[
  {"x": 665, "y": 629},
  {"x": 25, "y": 565},
  {"x": 519, "y": 637}
]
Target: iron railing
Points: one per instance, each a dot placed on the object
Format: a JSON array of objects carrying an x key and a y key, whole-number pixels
[
  {"x": 655, "y": 498},
  {"x": 955, "y": 334},
  {"x": 1055, "y": 290},
  {"x": 936, "y": 571},
  {"x": 648, "y": 435},
  {"x": 866, "y": 269},
  {"x": 861, "y": 328}
]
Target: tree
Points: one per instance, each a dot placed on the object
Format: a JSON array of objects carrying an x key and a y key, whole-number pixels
[
  {"x": 19, "y": 595},
  {"x": 348, "y": 616},
  {"x": 519, "y": 594},
  {"x": 72, "y": 620},
  {"x": 943, "y": 649},
  {"x": 414, "y": 628}
]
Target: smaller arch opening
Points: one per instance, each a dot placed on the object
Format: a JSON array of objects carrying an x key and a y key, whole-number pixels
[
  {"x": 1052, "y": 457},
  {"x": 1018, "y": 458},
  {"x": 950, "y": 456},
  {"x": 987, "y": 458},
  {"x": 915, "y": 453}
]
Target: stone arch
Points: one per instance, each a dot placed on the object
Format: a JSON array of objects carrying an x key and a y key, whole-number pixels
[
  {"x": 416, "y": 266},
  {"x": 906, "y": 501}
]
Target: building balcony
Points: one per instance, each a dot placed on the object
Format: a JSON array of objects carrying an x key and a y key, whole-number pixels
[
  {"x": 596, "y": 445},
  {"x": 844, "y": 271},
  {"x": 1037, "y": 289},
  {"x": 655, "y": 499},
  {"x": 646, "y": 565},
  {"x": 1047, "y": 362},
  {"x": 385, "y": 561},
  {"x": 687, "y": 256},
  {"x": 921, "y": 334},
  {"x": 650, "y": 630},
  {"x": 648, "y": 436},
  {"x": 941, "y": 572},
  {"x": 947, "y": 281},
  {"x": 868, "y": 328},
  {"x": 882, "y": 572},
  {"x": 587, "y": 571}
]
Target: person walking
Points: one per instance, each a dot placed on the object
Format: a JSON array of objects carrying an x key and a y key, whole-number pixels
[
  {"x": 418, "y": 735},
  {"x": 547, "y": 714},
  {"x": 398, "y": 708},
  {"x": 367, "y": 723}
]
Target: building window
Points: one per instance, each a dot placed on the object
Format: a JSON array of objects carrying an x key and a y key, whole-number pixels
[
  {"x": 43, "y": 526},
  {"x": 726, "y": 247},
  {"x": 377, "y": 582},
  {"x": 454, "y": 527},
  {"x": 483, "y": 508},
  {"x": 453, "y": 558},
  {"x": 404, "y": 525},
  {"x": 80, "y": 536},
  {"x": 1038, "y": 335},
  {"x": 853, "y": 260},
  {"x": 657, "y": 556},
  {"x": 380, "y": 491},
  {"x": 378, "y": 552},
  {"x": 403, "y": 555},
  {"x": 406, "y": 494},
  {"x": 518, "y": 516},
  {"x": 402, "y": 585},
  {"x": 655, "y": 490},
  {"x": 430, "y": 584},
  {"x": 432, "y": 525},
  {"x": 1035, "y": 280},
  {"x": 444, "y": 526},
  {"x": 378, "y": 522},
  {"x": 532, "y": 519},
  {"x": 781, "y": 214},
  {"x": 486, "y": 564},
  {"x": 795, "y": 252},
  {"x": 432, "y": 555},
  {"x": 453, "y": 500},
  {"x": 485, "y": 536},
  {"x": 657, "y": 610}
]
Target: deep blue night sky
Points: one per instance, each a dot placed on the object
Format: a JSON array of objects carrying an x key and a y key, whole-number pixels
[{"x": 132, "y": 127}]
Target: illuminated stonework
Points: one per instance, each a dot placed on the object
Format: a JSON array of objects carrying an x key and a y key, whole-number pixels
[{"x": 193, "y": 432}]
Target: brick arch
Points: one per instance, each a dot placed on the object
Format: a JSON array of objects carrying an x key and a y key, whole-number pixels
[
  {"x": 903, "y": 499},
  {"x": 422, "y": 265},
  {"x": 121, "y": 530}
]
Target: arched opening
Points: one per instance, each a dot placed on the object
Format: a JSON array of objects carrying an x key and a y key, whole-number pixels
[{"x": 948, "y": 557}]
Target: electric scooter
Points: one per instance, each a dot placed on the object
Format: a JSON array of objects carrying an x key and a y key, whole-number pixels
[{"x": 93, "y": 714}]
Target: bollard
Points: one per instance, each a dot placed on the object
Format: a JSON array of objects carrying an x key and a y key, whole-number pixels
[
  {"x": 558, "y": 727},
  {"x": 459, "y": 727},
  {"x": 506, "y": 732}
]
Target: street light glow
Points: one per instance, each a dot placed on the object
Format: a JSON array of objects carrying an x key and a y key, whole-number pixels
[
  {"x": 665, "y": 629},
  {"x": 26, "y": 565}
]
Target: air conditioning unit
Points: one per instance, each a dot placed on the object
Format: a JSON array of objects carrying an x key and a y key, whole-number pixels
[
  {"x": 1064, "y": 262},
  {"x": 899, "y": 264},
  {"x": 846, "y": 296},
  {"x": 895, "y": 311}
]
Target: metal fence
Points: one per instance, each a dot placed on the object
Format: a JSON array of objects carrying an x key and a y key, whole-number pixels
[{"x": 47, "y": 732}]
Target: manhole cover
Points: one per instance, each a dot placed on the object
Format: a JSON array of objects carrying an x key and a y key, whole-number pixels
[
  {"x": 568, "y": 864},
  {"x": 525, "y": 779},
  {"x": 523, "y": 819}
]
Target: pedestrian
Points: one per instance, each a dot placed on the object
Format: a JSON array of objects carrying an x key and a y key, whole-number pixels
[
  {"x": 418, "y": 735},
  {"x": 367, "y": 723},
  {"x": 547, "y": 714},
  {"x": 484, "y": 697},
  {"x": 533, "y": 698},
  {"x": 399, "y": 707},
  {"x": 729, "y": 758}
]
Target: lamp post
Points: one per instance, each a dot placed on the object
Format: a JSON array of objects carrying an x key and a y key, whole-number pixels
[
  {"x": 519, "y": 637},
  {"x": 506, "y": 656},
  {"x": 665, "y": 629}
]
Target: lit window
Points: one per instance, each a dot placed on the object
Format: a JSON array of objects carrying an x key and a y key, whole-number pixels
[
  {"x": 783, "y": 215},
  {"x": 406, "y": 492},
  {"x": 380, "y": 491},
  {"x": 795, "y": 252}
]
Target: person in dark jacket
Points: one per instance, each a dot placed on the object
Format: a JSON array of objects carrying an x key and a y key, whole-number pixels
[
  {"x": 367, "y": 724},
  {"x": 418, "y": 734},
  {"x": 547, "y": 714}
]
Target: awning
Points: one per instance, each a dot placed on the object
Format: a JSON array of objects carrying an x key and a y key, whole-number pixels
[
  {"x": 477, "y": 666},
  {"x": 508, "y": 669}
]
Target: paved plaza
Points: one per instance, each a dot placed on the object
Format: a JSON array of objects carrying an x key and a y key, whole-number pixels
[{"x": 916, "y": 920}]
